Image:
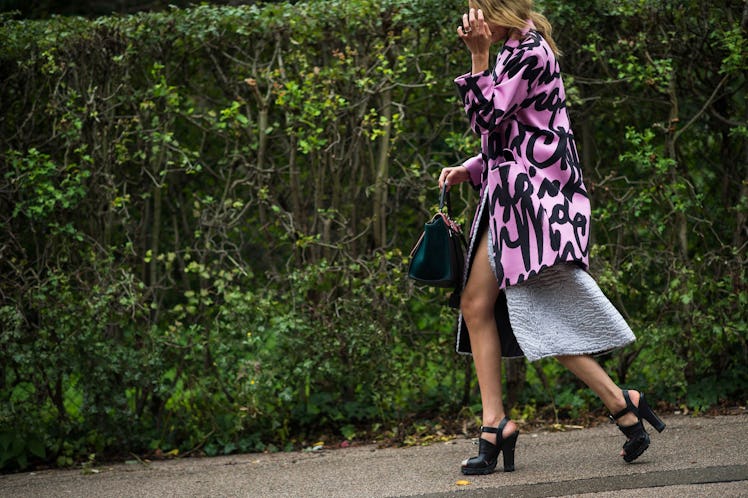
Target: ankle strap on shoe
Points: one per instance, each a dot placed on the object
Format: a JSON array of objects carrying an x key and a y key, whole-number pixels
[
  {"x": 495, "y": 430},
  {"x": 629, "y": 408}
]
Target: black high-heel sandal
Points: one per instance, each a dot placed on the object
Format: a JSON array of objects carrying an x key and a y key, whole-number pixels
[
  {"x": 488, "y": 453},
  {"x": 637, "y": 438}
]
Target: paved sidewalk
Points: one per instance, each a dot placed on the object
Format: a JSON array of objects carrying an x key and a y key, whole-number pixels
[{"x": 695, "y": 456}]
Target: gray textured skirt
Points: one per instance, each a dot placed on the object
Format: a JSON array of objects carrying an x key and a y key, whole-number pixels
[{"x": 562, "y": 311}]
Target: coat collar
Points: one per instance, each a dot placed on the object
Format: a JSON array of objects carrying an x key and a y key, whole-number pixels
[{"x": 514, "y": 42}]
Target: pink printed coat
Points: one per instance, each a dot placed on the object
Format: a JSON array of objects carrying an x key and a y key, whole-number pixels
[{"x": 533, "y": 200}]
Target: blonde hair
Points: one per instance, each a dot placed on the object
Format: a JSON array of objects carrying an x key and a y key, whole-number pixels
[{"x": 514, "y": 14}]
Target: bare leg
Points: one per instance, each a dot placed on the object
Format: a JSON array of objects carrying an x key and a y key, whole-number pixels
[
  {"x": 477, "y": 306},
  {"x": 592, "y": 374}
]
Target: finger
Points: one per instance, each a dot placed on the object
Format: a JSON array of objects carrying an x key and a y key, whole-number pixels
[
  {"x": 449, "y": 180},
  {"x": 475, "y": 24},
  {"x": 465, "y": 25},
  {"x": 480, "y": 21}
]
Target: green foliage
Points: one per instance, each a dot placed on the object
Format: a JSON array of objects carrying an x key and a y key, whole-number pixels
[
  {"x": 205, "y": 215},
  {"x": 43, "y": 186}
]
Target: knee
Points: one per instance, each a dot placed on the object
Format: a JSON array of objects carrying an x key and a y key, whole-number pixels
[{"x": 476, "y": 307}]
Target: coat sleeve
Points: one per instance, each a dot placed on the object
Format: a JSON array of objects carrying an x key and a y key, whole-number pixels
[
  {"x": 486, "y": 102},
  {"x": 475, "y": 166}
]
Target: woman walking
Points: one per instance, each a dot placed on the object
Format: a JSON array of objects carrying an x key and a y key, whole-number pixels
[{"x": 526, "y": 289}]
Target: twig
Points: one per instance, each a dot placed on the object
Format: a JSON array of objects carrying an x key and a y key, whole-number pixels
[
  {"x": 702, "y": 111},
  {"x": 141, "y": 461}
]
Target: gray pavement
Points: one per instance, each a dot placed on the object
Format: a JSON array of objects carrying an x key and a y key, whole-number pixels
[{"x": 695, "y": 456}]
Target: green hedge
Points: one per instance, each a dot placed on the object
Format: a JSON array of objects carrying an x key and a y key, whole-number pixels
[{"x": 206, "y": 215}]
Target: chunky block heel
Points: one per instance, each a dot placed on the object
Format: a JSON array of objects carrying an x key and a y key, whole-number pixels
[
  {"x": 637, "y": 437},
  {"x": 488, "y": 453},
  {"x": 508, "y": 448},
  {"x": 649, "y": 415}
]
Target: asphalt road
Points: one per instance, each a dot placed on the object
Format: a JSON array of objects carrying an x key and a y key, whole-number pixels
[{"x": 695, "y": 456}]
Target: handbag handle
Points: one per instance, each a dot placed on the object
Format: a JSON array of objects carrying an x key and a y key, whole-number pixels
[{"x": 444, "y": 197}]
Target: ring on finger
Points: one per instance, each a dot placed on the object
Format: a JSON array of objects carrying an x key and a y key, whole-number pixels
[{"x": 467, "y": 30}]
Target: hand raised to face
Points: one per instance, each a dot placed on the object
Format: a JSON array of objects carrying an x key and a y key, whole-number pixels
[{"x": 475, "y": 32}]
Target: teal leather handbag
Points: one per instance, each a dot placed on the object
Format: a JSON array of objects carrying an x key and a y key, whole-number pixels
[{"x": 438, "y": 258}]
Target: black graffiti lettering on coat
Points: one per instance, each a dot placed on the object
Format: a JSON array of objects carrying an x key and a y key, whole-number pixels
[
  {"x": 527, "y": 220},
  {"x": 552, "y": 188},
  {"x": 548, "y": 139},
  {"x": 515, "y": 144},
  {"x": 560, "y": 215},
  {"x": 483, "y": 111},
  {"x": 485, "y": 116},
  {"x": 549, "y": 74},
  {"x": 494, "y": 145},
  {"x": 531, "y": 173},
  {"x": 551, "y": 102},
  {"x": 580, "y": 229},
  {"x": 535, "y": 222},
  {"x": 528, "y": 66},
  {"x": 575, "y": 184}
]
